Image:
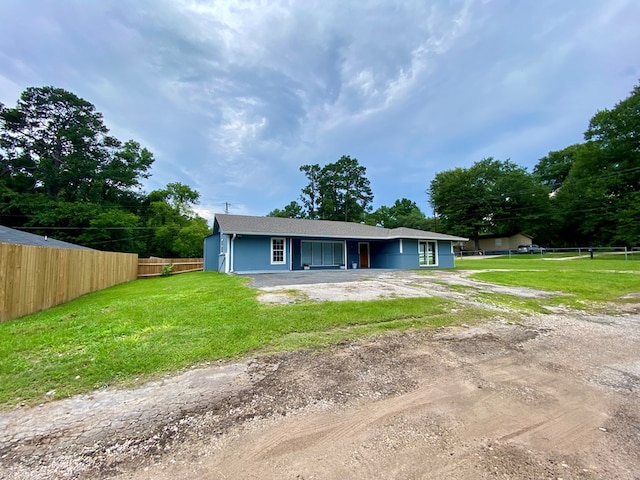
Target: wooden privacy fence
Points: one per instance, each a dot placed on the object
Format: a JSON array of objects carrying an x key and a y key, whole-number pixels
[
  {"x": 152, "y": 267},
  {"x": 35, "y": 278}
]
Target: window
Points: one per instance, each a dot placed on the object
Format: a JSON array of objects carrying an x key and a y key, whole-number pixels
[
  {"x": 277, "y": 250},
  {"x": 322, "y": 253},
  {"x": 427, "y": 253}
]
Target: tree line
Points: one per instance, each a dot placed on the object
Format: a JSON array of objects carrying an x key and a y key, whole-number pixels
[
  {"x": 62, "y": 174},
  {"x": 341, "y": 191},
  {"x": 61, "y": 171},
  {"x": 585, "y": 194}
]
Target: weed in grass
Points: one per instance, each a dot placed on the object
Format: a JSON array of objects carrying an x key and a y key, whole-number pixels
[
  {"x": 513, "y": 302},
  {"x": 462, "y": 288}
]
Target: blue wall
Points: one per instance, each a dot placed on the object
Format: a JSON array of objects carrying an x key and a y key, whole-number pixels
[
  {"x": 446, "y": 259},
  {"x": 212, "y": 256},
  {"x": 253, "y": 254}
]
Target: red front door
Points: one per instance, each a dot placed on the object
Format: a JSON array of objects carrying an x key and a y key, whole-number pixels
[{"x": 364, "y": 255}]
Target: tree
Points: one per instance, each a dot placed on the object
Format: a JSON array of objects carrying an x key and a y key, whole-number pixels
[
  {"x": 189, "y": 243},
  {"x": 292, "y": 210},
  {"x": 337, "y": 191},
  {"x": 311, "y": 193},
  {"x": 492, "y": 196},
  {"x": 182, "y": 198},
  {"x": 403, "y": 213},
  {"x": 113, "y": 230},
  {"x": 553, "y": 169},
  {"x": 345, "y": 191},
  {"x": 55, "y": 142},
  {"x": 177, "y": 230},
  {"x": 597, "y": 201}
]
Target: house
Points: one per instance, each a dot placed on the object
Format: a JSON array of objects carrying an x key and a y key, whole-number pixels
[
  {"x": 11, "y": 235},
  {"x": 246, "y": 244},
  {"x": 498, "y": 243}
]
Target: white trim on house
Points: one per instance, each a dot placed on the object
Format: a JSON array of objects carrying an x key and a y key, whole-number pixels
[
  {"x": 290, "y": 254},
  {"x": 427, "y": 252},
  {"x": 284, "y": 251}
]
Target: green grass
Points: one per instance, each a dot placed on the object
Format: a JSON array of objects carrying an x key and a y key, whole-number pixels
[
  {"x": 588, "y": 281},
  {"x": 548, "y": 262},
  {"x": 514, "y": 302},
  {"x": 585, "y": 286},
  {"x": 139, "y": 330}
]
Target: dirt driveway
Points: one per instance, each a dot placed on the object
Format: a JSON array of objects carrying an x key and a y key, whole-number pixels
[{"x": 543, "y": 397}]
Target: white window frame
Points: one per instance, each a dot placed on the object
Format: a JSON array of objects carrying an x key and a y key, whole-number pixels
[
  {"x": 435, "y": 253},
  {"x": 283, "y": 250}
]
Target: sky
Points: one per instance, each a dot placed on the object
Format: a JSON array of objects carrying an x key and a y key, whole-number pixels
[{"x": 232, "y": 97}]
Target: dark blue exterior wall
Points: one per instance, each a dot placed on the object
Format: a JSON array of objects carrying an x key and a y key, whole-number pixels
[
  {"x": 409, "y": 257},
  {"x": 212, "y": 253},
  {"x": 446, "y": 258},
  {"x": 253, "y": 254}
]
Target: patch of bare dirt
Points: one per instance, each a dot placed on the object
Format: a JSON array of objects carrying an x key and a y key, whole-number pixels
[
  {"x": 396, "y": 284},
  {"x": 553, "y": 397}
]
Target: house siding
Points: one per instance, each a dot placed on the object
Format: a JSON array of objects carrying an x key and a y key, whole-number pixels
[
  {"x": 446, "y": 257},
  {"x": 253, "y": 253},
  {"x": 212, "y": 257},
  {"x": 387, "y": 254},
  {"x": 496, "y": 243},
  {"x": 243, "y": 250},
  {"x": 410, "y": 257}
]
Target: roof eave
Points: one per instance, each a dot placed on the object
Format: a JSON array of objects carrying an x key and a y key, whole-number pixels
[{"x": 344, "y": 237}]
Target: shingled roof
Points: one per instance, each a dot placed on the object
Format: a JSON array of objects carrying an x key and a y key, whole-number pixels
[
  {"x": 11, "y": 235},
  {"x": 248, "y": 225}
]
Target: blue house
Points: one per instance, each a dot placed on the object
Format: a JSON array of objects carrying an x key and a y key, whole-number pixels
[{"x": 245, "y": 244}]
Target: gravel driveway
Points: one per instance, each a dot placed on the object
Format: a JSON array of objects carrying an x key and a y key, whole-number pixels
[
  {"x": 538, "y": 396},
  {"x": 313, "y": 277}
]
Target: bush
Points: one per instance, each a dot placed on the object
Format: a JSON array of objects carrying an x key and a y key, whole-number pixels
[{"x": 166, "y": 270}]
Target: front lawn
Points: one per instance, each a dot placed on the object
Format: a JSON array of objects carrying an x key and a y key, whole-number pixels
[
  {"x": 142, "y": 329},
  {"x": 601, "y": 279}
]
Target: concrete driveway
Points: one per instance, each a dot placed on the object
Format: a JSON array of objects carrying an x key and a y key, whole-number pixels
[
  {"x": 378, "y": 284},
  {"x": 311, "y": 277}
]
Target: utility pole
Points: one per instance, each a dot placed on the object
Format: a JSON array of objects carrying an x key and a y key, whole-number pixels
[{"x": 226, "y": 208}]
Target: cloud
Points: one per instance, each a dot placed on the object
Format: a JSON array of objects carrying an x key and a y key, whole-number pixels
[{"x": 232, "y": 97}]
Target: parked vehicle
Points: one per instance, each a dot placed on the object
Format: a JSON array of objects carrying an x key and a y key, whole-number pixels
[{"x": 533, "y": 248}]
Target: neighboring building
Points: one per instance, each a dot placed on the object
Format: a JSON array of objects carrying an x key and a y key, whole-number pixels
[
  {"x": 244, "y": 244},
  {"x": 498, "y": 243},
  {"x": 11, "y": 235}
]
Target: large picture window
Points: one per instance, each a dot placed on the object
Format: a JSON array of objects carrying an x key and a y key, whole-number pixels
[
  {"x": 277, "y": 250},
  {"x": 427, "y": 253},
  {"x": 322, "y": 254}
]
